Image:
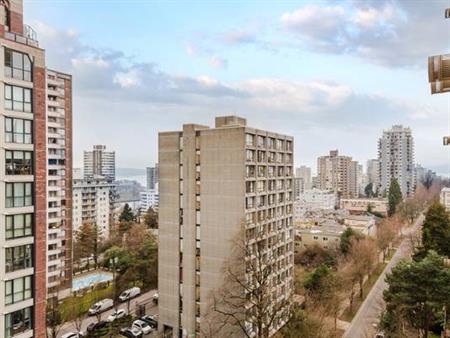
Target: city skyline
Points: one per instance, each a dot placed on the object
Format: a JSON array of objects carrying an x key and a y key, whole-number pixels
[{"x": 218, "y": 65}]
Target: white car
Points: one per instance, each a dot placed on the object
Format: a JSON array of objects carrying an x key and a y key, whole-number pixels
[
  {"x": 143, "y": 326},
  {"x": 72, "y": 335},
  {"x": 116, "y": 315}
]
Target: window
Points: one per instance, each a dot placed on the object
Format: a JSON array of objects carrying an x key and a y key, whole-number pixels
[
  {"x": 249, "y": 139},
  {"x": 17, "y": 65},
  {"x": 18, "y": 290},
  {"x": 18, "y": 98},
  {"x": 19, "y": 194},
  {"x": 19, "y": 162},
  {"x": 19, "y": 257},
  {"x": 18, "y": 322},
  {"x": 18, "y": 131},
  {"x": 19, "y": 225}
]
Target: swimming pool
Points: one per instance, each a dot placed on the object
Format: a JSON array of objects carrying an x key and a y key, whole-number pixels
[{"x": 89, "y": 280}]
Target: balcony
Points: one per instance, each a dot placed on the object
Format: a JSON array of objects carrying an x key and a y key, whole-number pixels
[{"x": 29, "y": 36}]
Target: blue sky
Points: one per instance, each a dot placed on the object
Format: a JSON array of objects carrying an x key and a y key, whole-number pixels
[{"x": 333, "y": 74}]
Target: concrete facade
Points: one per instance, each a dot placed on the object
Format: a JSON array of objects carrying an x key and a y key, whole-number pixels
[
  {"x": 59, "y": 183},
  {"x": 337, "y": 173},
  {"x": 215, "y": 184},
  {"x": 149, "y": 199},
  {"x": 99, "y": 162},
  {"x": 445, "y": 198},
  {"x": 152, "y": 177},
  {"x": 396, "y": 157}
]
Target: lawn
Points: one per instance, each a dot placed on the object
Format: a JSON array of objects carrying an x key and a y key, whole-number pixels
[{"x": 76, "y": 306}]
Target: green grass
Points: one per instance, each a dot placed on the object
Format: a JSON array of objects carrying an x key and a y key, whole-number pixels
[{"x": 75, "y": 306}]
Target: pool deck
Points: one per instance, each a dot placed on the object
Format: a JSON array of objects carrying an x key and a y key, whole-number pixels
[{"x": 82, "y": 280}]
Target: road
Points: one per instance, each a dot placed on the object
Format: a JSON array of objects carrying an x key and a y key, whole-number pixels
[
  {"x": 144, "y": 298},
  {"x": 362, "y": 325}
]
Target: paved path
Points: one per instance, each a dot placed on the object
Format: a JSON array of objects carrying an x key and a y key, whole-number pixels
[
  {"x": 144, "y": 298},
  {"x": 362, "y": 325}
]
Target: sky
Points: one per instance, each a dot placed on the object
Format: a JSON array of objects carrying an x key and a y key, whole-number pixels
[{"x": 333, "y": 74}]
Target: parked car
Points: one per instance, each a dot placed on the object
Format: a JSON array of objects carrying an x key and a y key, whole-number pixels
[
  {"x": 72, "y": 335},
  {"x": 155, "y": 298},
  {"x": 101, "y": 306},
  {"x": 130, "y": 293},
  {"x": 151, "y": 320},
  {"x": 131, "y": 332},
  {"x": 120, "y": 313},
  {"x": 96, "y": 326},
  {"x": 143, "y": 326}
]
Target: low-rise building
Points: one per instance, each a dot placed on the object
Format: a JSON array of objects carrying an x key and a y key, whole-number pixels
[
  {"x": 365, "y": 224},
  {"x": 361, "y": 205},
  {"x": 445, "y": 198},
  {"x": 312, "y": 200},
  {"x": 327, "y": 235}
]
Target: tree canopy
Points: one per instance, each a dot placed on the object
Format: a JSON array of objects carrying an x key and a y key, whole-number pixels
[
  {"x": 394, "y": 196},
  {"x": 436, "y": 230},
  {"x": 416, "y": 295},
  {"x": 127, "y": 214}
]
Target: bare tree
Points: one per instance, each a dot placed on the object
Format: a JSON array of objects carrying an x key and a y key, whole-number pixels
[
  {"x": 385, "y": 236},
  {"x": 251, "y": 300},
  {"x": 363, "y": 257}
]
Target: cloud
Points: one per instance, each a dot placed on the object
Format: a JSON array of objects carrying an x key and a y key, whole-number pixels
[
  {"x": 237, "y": 37},
  {"x": 218, "y": 62},
  {"x": 389, "y": 33},
  {"x": 124, "y": 103}
]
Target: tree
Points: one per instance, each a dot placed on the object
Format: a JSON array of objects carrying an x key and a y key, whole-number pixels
[
  {"x": 394, "y": 196},
  {"x": 346, "y": 238},
  {"x": 315, "y": 255},
  {"x": 151, "y": 218},
  {"x": 363, "y": 258},
  {"x": 301, "y": 324},
  {"x": 368, "y": 190},
  {"x": 87, "y": 242},
  {"x": 410, "y": 209},
  {"x": 385, "y": 236},
  {"x": 436, "y": 230},
  {"x": 417, "y": 292},
  {"x": 427, "y": 180},
  {"x": 54, "y": 317},
  {"x": 245, "y": 304},
  {"x": 127, "y": 214}
]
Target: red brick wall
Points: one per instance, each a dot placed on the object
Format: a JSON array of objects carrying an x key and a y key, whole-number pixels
[
  {"x": 68, "y": 248},
  {"x": 40, "y": 202},
  {"x": 16, "y": 22}
]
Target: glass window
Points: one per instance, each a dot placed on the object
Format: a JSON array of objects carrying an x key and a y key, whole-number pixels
[
  {"x": 18, "y": 322},
  {"x": 18, "y": 162},
  {"x": 19, "y": 225},
  {"x": 19, "y": 194},
  {"x": 18, "y": 98},
  {"x": 17, "y": 65},
  {"x": 18, "y": 290},
  {"x": 18, "y": 258},
  {"x": 18, "y": 131}
]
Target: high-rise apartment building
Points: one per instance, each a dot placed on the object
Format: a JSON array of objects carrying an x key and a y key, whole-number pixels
[
  {"x": 94, "y": 203},
  {"x": 373, "y": 170},
  {"x": 148, "y": 199},
  {"x": 59, "y": 184},
  {"x": 302, "y": 180},
  {"x": 152, "y": 177},
  {"x": 396, "y": 157},
  {"x": 217, "y": 184},
  {"x": 26, "y": 163},
  {"x": 338, "y": 173},
  {"x": 100, "y": 162}
]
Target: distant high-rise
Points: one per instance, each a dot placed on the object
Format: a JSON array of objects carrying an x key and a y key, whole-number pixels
[
  {"x": 302, "y": 180},
  {"x": 396, "y": 157},
  {"x": 152, "y": 177},
  {"x": 59, "y": 178},
  {"x": 338, "y": 173},
  {"x": 100, "y": 162},
  {"x": 373, "y": 169},
  {"x": 218, "y": 185}
]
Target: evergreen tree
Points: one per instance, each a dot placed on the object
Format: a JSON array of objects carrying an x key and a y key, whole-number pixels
[
  {"x": 394, "y": 196},
  {"x": 127, "y": 214},
  {"x": 346, "y": 238},
  {"x": 416, "y": 295},
  {"x": 436, "y": 230},
  {"x": 368, "y": 190}
]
